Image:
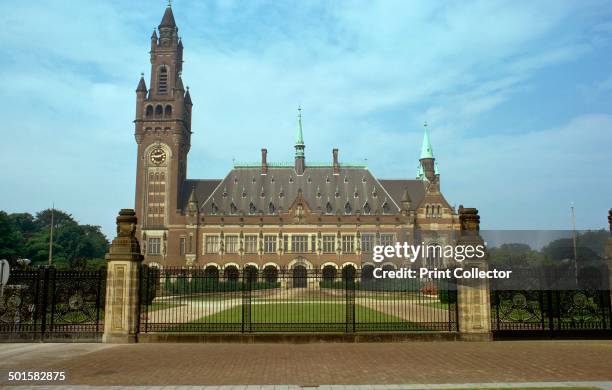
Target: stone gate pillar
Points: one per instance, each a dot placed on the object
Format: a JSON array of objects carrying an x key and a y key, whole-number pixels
[
  {"x": 473, "y": 295},
  {"x": 122, "y": 300}
]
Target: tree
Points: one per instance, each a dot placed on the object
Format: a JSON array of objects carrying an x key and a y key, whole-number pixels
[
  {"x": 12, "y": 243},
  {"x": 74, "y": 245},
  {"x": 514, "y": 255}
]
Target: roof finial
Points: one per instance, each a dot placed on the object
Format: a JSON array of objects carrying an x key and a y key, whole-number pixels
[{"x": 299, "y": 139}]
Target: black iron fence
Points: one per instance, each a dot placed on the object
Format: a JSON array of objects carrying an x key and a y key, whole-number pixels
[
  {"x": 291, "y": 300},
  {"x": 552, "y": 302},
  {"x": 49, "y": 304}
]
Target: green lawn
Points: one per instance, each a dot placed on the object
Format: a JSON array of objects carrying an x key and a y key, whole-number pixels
[{"x": 283, "y": 317}]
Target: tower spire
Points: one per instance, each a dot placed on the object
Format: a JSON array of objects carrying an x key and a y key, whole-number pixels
[
  {"x": 426, "y": 150},
  {"x": 299, "y": 146},
  {"x": 168, "y": 18},
  {"x": 427, "y": 166}
]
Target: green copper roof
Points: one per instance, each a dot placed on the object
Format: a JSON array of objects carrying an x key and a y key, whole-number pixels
[
  {"x": 420, "y": 174},
  {"x": 290, "y": 164},
  {"x": 299, "y": 137},
  {"x": 426, "y": 150}
]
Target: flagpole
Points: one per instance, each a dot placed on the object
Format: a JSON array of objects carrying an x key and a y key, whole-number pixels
[
  {"x": 574, "y": 242},
  {"x": 51, "y": 236}
]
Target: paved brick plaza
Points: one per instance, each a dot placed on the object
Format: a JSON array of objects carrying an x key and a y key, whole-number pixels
[{"x": 317, "y": 364}]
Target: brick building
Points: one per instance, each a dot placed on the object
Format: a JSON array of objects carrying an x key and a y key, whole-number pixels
[{"x": 268, "y": 215}]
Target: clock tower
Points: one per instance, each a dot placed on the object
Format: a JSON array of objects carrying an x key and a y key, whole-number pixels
[{"x": 163, "y": 135}]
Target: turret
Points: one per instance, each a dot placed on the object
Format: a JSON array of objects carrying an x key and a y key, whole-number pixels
[
  {"x": 300, "y": 163},
  {"x": 141, "y": 95}
]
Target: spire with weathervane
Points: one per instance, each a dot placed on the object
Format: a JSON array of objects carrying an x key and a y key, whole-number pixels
[
  {"x": 427, "y": 166},
  {"x": 299, "y": 146}
]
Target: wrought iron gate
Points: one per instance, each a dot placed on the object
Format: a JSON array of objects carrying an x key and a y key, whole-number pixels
[
  {"x": 181, "y": 300},
  {"x": 50, "y": 304}
]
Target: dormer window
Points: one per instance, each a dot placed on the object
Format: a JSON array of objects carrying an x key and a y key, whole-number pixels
[
  {"x": 385, "y": 208},
  {"x": 233, "y": 209},
  {"x": 366, "y": 208},
  {"x": 328, "y": 208},
  {"x": 213, "y": 208},
  {"x": 347, "y": 208},
  {"x": 271, "y": 208},
  {"x": 252, "y": 208}
]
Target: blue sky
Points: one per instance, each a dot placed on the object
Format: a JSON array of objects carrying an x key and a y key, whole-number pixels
[{"x": 517, "y": 94}]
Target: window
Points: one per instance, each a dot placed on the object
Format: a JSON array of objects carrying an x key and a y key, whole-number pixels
[
  {"x": 329, "y": 244},
  {"x": 214, "y": 209},
  {"x": 348, "y": 244},
  {"x": 168, "y": 110},
  {"x": 159, "y": 110},
  {"x": 233, "y": 209},
  {"x": 182, "y": 246},
  {"x": 211, "y": 244},
  {"x": 162, "y": 84},
  {"x": 387, "y": 239},
  {"x": 299, "y": 244},
  {"x": 313, "y": 243},
  {"x": 270, "y": 244},
  {"x": 149, "y": 112},
  {"x": 252, "y": 208},
  {"x": 328, "y": 208},
  {"x": 250, "y": 243},
  {"x": 367, "y": 243},
  {"x": 286, "y": 243},
  {"x": 190, "y": 244},
  {"x": 231, "y": 244},
  {"x": 271, "y": 208},
  {"x": 154, "y": 246}
]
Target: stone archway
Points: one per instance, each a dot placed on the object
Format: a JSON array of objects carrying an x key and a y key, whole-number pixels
[{"x": 299, "y": 276}]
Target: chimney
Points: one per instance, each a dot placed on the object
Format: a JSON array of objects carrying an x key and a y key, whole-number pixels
[
  {"x": 264, "y": 161},
  {"x": 336, "y": 164}
]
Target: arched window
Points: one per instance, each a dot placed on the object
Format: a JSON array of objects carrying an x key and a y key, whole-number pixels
[
  {"x": 328, "y": 208},
  {"x": 347, "y": 208},
  {"x": 162, "y": 83},
  {"x": 213, "y": 208},
  {"x": 439, "y": 210},
  {"x": 252, "y": 208},
  {"x": 233, "y": 208},
  {"x": 149, "y": 111},
  {"x": 366, "y": 208},
  {"x": 168, "y": 110},
  {"x": 271, "y": 208},
  {"x": 159, "y": 110}
]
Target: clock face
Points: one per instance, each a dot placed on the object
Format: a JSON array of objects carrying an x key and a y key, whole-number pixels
[{"x": 158, "y": 156}]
